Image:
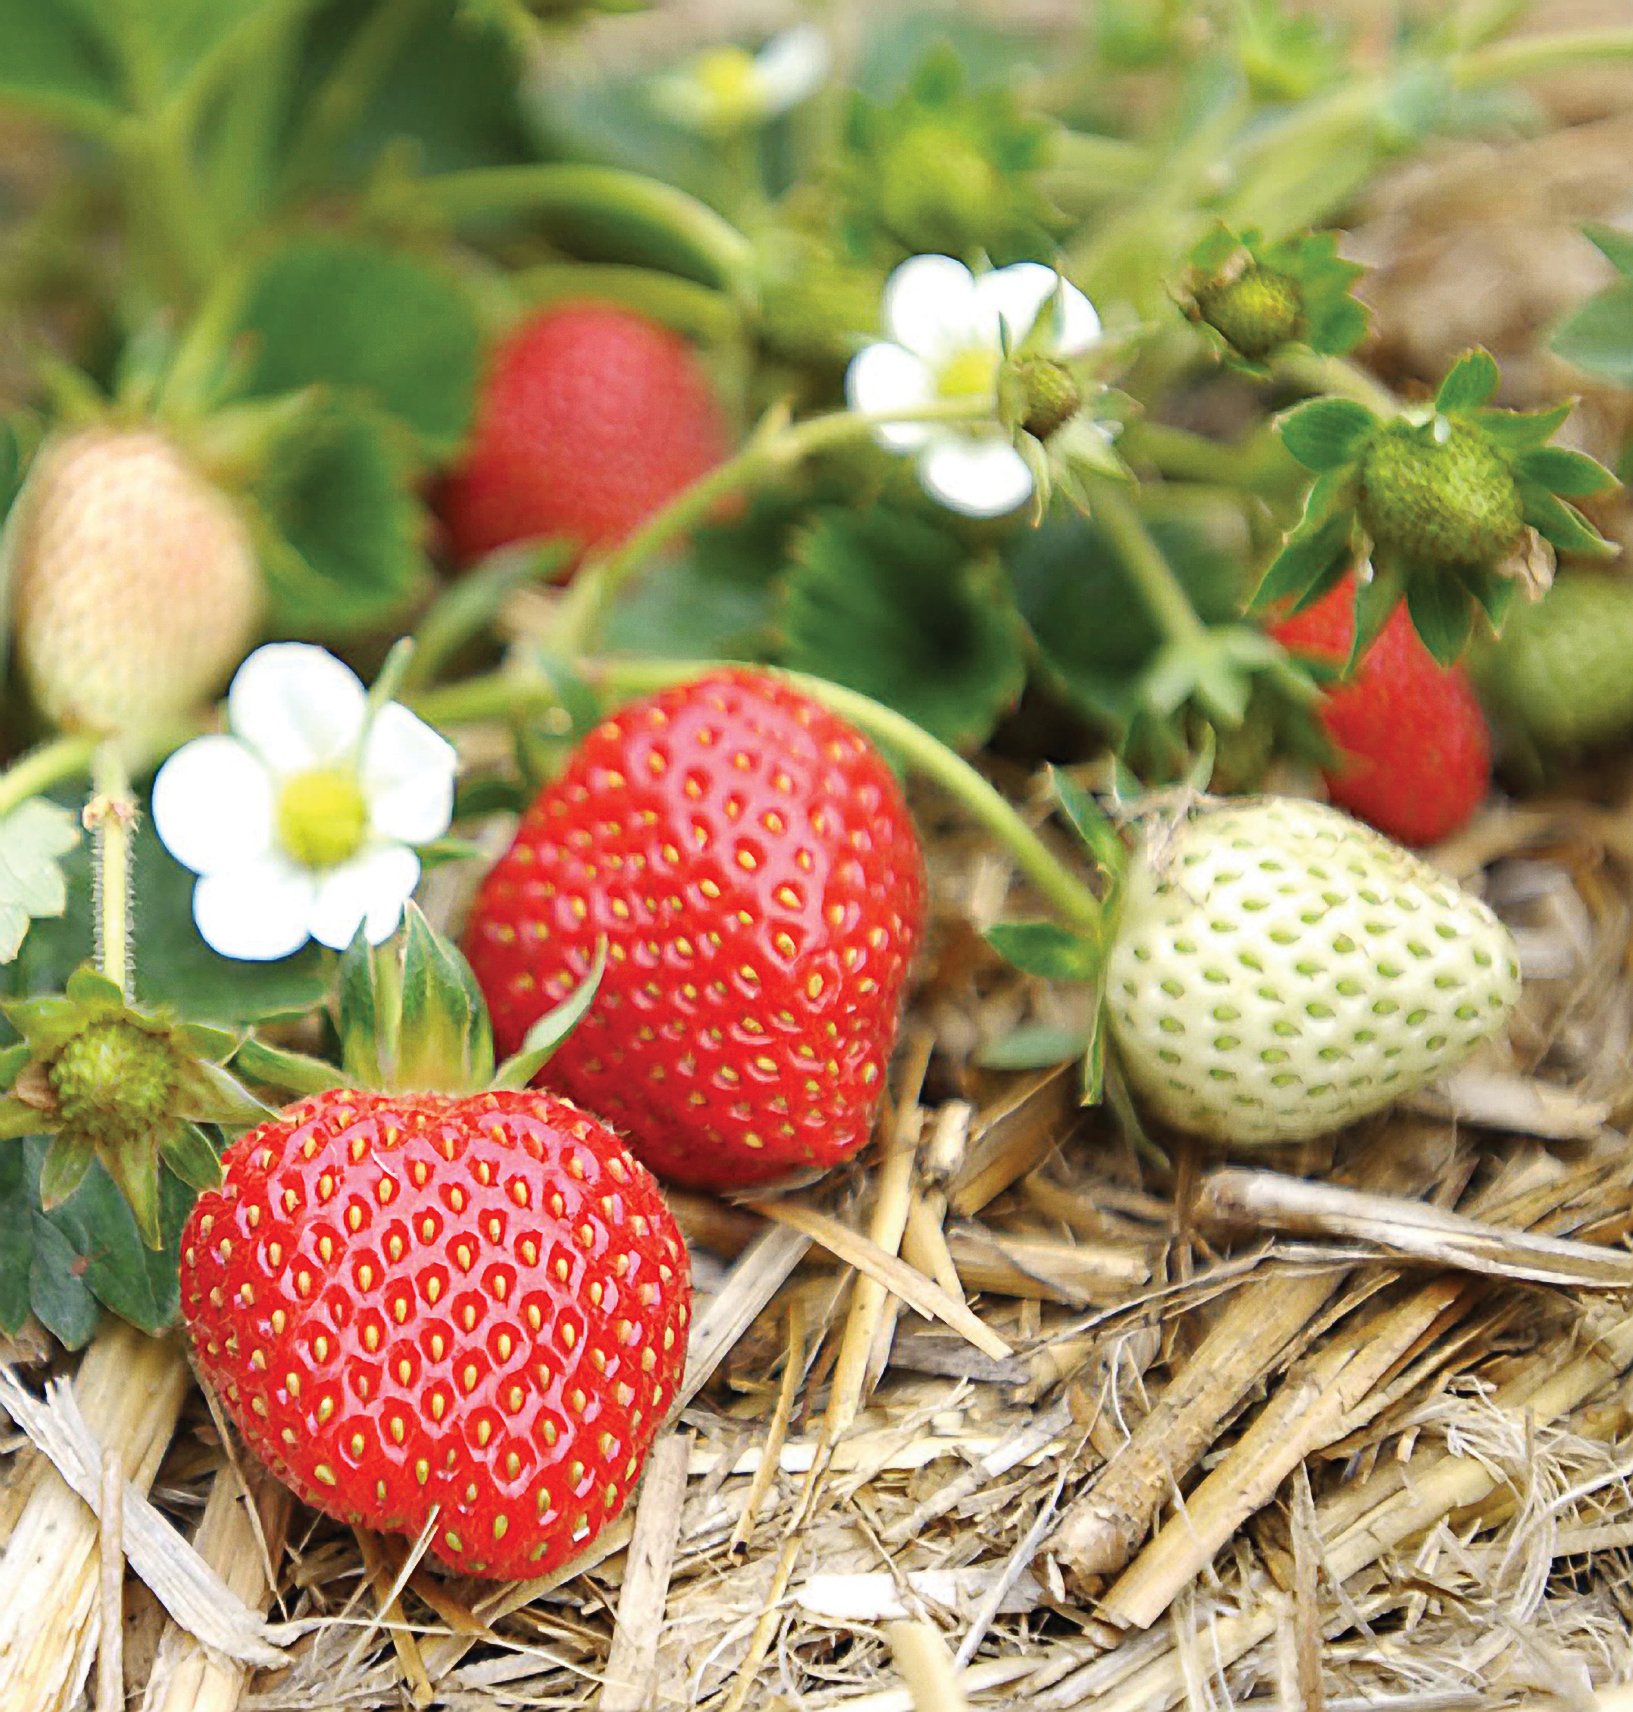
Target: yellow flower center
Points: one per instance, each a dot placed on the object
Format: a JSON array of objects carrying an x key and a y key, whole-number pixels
[
  {"x": 322, "y": 817},
  {"x": 971, "y": 373},
  {"x": 729, "y": 78}
]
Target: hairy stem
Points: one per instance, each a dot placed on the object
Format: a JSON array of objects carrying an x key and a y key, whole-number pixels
[{"x": 110, "y": 816}]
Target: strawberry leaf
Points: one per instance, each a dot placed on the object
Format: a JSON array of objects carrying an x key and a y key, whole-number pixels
[
  {"x": 16, "y": 1239},
  {"x": 34, "y": 838},
  {"x": 1032, "y": 1046},
  {"x": 57, "y": 1293},
  {"x": 341, "y": 527},
  {"x": 1598, "y": 336},
  {"x": 1616, "y": 247},
  {"x": 896, "y": 608},
  {"x": 55, "y": 66},
  {"x": 342, "y": 313}
]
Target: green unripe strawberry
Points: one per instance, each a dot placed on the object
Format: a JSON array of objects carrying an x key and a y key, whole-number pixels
[
  {"x": 1562, "y": 672},
  {"x": 1443, "y": 498},
  {"x": 113, "y": 1079},
  {"x": 1048, "y": 395},
  {"x": 815, "y": 309},
  {"x": 936, "y": 192},
  {"x": 1256, "y": 312},
  {"x": 1280, "y": 970}
]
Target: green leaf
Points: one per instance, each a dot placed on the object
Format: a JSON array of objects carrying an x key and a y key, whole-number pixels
[
  {"x": 1562, "y": 471},
  {"x": 34, "y": 838},
  {"x": 1095, "y": 638},
  {"x": 16, "y": 1238},
  {"x": 165, "y": 42},
  {"x": 1094, "y": 1055},
  {"x": 1469, "y": 382},
  {"x": 1598, "y": 336},
  {"x": 187, "y": 1150},
  {"x": 342, "y": 530},
  {"x": 1562, "y": 524},
  {"x": 1098, "y": 834},
  {"x": 445, "y": 1042},
  {"x": 54, "y": 64},
  {"x": 1441, "y": 614},
  {"x": 1044, "y": 949},
  {"x": 57, "y": 1292},
  {"x": 138, "y": 1283},
  {"x": 344, "y": 313},
  {"x": 895, "y": 607},
  {"x": 1032, "y": 1046},
  {"x": 1325, "y": 433},
  {"x": 553, "y": 1027}
]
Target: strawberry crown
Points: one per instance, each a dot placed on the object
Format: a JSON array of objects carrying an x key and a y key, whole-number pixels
[{"x": 410, "y": 1016}]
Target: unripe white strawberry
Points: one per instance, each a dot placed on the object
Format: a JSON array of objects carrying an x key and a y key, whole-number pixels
[
  {"x": 1279, "y": 970},
  {"x": 134, "y": 584}
]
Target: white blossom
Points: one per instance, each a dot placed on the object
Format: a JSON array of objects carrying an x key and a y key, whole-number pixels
[
  {"x": 947, "y": 334},
  {"x": 729, "y": 89},
  {"x": 301, "y": 821}
]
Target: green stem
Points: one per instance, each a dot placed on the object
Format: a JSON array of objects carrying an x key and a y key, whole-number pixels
[
  {"x": 768, "y": 452},
  {"x": 1144, "y": 561},
  {"x": 504, "y": 695},
  {"x": 698, "y": 310},
  {"x": 111, "y": 816},
  {"x": 1312, "y": 372},
  {"x": 50, "y": 764},
  {"x": 164, "y": 186},
  {"x": 597, "y": 193},
  {"x": 1259, "y": 463},
  {"x": 1526, "y": 56}
]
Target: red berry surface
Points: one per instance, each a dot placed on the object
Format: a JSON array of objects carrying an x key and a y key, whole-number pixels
[
  {"x": 1416, "y": 751},
  {"x": 591, "y": 419},
  {"x": 470, "y": 1305},
  {"x": 753, "y": 867}
]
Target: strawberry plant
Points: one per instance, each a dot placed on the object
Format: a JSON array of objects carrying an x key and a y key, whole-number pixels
[{"x": 838, "y": 564}]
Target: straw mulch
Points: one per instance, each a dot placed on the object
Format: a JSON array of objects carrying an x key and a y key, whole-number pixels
[{"x": 1026, "y": 1404}]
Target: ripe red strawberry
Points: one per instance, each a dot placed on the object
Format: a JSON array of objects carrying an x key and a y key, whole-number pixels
[
  {"x": 1416, "y": 750},
  {"x": 473, "y": 1305},
  {"x": 135, "y": 586},
  {"x": 592, "y": 418},
  {"x": 754, "y": 869}
]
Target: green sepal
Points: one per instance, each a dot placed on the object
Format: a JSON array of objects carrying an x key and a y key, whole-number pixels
[
  {"x": 12, "y": 1061},
  {"x": 18, "y": 1119},
  {"x": 366, "y": 1041},
  {"x": 1442, "y": 615},
  {"x": 205, "y": 1093},
  {"x": 445, "y": 1040},
  {"x": 1320, "y": 540},
  {"x": 1375, "y": 600},
  {"x": 1325, "y": 433},
  {"x": 1468, "y": 383},
  {"x": 1044, "y": 949},
  {"x": 47, "y": 1023},
  {"x": 186, "y": 1149},
  {"x": 294, "y": 1072},
  {"x": 1083, "y": 813},
  {"x": 553, "y": 1027},
  {"x": 1562, "y": 524},
  {"x": 90, "y": 987},
  {"x": 136, "y": 1172},
  {"x": 1094, "y": 1054},
  {"x": 1491, "y": 591},
  {"x": 1515, "y": 431},
  {"x": 67, "y": 1160},
  {"x": 1572, "y": 474},
  {"x": 202, "y": 1040}
]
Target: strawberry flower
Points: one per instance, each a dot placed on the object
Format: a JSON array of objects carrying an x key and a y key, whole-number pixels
[
  {"x": 300, "y": 821},
  {"x": 950, "y": 335},
  {"x": 729, "y": 89}
]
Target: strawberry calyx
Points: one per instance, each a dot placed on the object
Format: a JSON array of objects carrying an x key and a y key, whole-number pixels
[{"x": 123, "y": 1083}]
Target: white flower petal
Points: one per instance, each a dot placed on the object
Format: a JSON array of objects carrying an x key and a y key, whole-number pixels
[
  {"x": 1018, "y": 292},
  {"x": 792, "y": 66},
  {"x": 213, "y": 805},
  {"x": 931, "y": 308},
  {"x": 297, "y": 706},
  {"x": 258, "y": 912},
  {"x": 885, "y": 377},
  {"x": 979, "y": 477},
  {"x": 370, "y": 890},
  {"x": 407, "y": 774}
]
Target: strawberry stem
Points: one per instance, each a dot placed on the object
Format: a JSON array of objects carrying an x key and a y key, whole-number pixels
[
  {"x": 1315, "y": 373},
  {"x": 774, "y": 447},
  {"x": 1147, "y": 566},
  {"x": 110, "y": 817}
]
